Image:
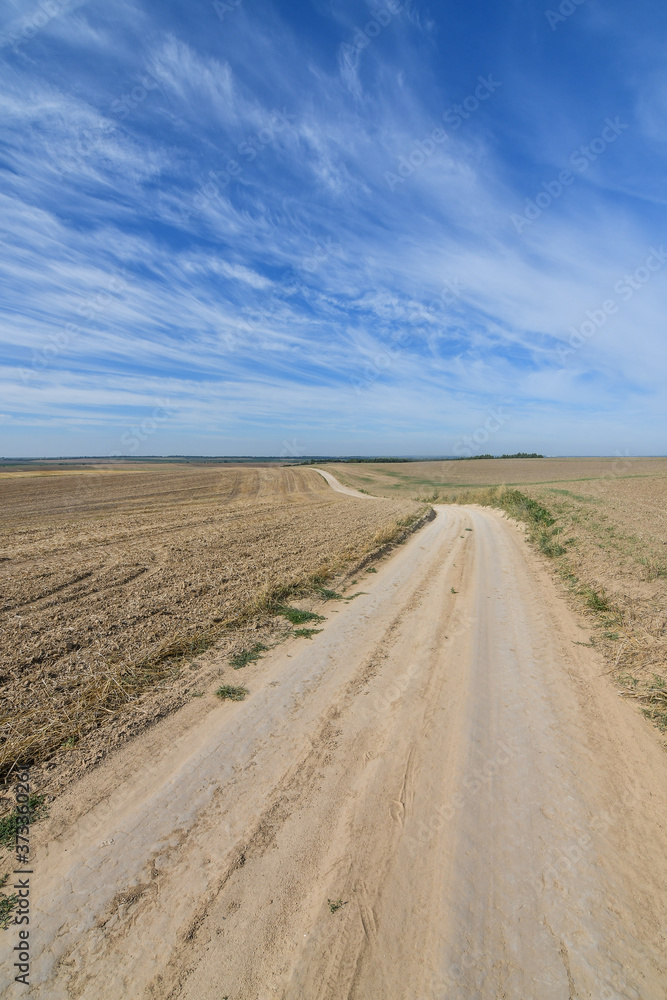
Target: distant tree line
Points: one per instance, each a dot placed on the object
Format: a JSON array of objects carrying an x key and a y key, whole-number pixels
[
  {"x": 519, "y": 454},
  {"x": 351, "y": 461}
]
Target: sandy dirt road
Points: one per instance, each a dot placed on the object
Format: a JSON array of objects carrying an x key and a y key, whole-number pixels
[
  {"x": 336, "y": 485},
  {"x": 444, "y": 759}
]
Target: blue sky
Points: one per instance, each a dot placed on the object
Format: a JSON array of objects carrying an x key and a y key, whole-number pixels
[{"x": 333, "y": 228}]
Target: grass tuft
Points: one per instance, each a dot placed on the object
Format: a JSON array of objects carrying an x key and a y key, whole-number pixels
[
  {"x": 328, "y": 595},
  {"x": 595, "y": 601},
  {"x": 296, "y": 616},
  {"x": 306, "y": 633},
  {"x": 229, "y": 693},
  {"x": 7, "y": 904},
  {"x": 336, "y": 904},
  {"x": 9, "y": 824},
  {"x": 246, "y": 656}
]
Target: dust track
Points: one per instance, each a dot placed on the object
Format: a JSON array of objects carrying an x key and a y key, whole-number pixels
[
  {"x": 443, "y": 758},
  {"x": 336, "y": 485}
]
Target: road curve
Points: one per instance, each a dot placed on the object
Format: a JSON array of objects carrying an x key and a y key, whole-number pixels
[
  {"x": 439, "y": 797},
  {"x": 336, "y": 485}
]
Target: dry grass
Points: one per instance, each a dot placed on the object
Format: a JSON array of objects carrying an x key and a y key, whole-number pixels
[
  {"x": 617, "y": 533},
  {"x": 113, "y": 581}
]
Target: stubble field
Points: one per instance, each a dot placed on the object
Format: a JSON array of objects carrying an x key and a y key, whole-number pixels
[{"x": 114, "y": 578}]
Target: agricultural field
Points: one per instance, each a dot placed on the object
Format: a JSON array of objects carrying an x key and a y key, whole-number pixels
[
  {"x": 116, "y": 577},
  {"x": 422, "y": 478},
  {"x": 614, "y": 533},
  {"x": 608, "y": 542}
]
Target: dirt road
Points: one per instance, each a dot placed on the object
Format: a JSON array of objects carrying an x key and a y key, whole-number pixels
[
  {"x": 336, "y": 485},
  {"x": 444, "y": 767}
]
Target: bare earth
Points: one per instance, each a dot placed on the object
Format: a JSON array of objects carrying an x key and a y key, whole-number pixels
[
  {"x": 109, "y": 576},
  {"x": 440, "y": 796}
]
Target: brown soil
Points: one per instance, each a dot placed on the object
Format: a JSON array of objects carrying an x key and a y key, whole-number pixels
[{"x": 112, "y": 577}]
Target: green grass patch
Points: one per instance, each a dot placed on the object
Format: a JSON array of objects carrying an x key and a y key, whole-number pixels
[
  {"x": 336, "y": 904},
  {"x": 575, "y": 496},
  {"x": 296, "y": 616},
  {"x": 371, "y": 570},
  {"x": 246, "y": 656},
  {"x": 328, "y": 595},
  {"x": 7, "y": 904},
  {"x": 306, "y": 633},
  {"x": 229, "y": 693},
  {"x": 595, "y": 601},
  {"x": 10, "y": 824}
]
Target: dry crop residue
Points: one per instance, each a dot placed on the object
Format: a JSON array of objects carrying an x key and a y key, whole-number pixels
[
  {"x": 110, "y": 578},
  {"x": 617, "y": 534}
]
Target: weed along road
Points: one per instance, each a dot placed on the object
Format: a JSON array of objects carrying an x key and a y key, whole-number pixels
[{"x": 438, "y": 796}]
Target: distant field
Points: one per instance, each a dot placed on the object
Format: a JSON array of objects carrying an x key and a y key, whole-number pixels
[
  {"x": 421, "y": 477},
  {"x": 610, "y": 516},
  {"x": 110, "y": 575}
]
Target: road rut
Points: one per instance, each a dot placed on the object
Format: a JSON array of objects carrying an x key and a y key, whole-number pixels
[{"x": 444, "y": 767}]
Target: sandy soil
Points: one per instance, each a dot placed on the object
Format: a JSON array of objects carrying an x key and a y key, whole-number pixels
[{"x": 443, "y": 760}]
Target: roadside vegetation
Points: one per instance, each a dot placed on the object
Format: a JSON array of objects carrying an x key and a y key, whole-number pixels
[
  {"x": 10, "y": 824},
  {"x": 615, "y": 578},
  {"x": 227, "y": 692},
  {"x": 602, "y": 523},
  {"x": 117, "y": 582}
]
